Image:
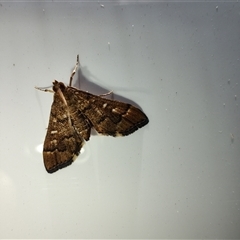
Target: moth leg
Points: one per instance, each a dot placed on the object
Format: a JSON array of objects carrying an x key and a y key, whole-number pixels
[
  {"x": 44, "y": 89},
  {"x": 106, "y": 94},
  {"x": 74, "y": 71}
]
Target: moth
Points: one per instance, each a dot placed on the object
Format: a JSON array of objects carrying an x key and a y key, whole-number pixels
[{"x": 74, "y": 112}]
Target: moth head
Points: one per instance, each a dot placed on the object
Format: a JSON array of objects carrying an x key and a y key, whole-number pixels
[{"x": 58, "y": 85}]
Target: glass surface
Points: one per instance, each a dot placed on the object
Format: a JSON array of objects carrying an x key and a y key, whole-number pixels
[{"x": 178, "y": 177}]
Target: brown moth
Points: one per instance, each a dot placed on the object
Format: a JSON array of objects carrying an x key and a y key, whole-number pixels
[{"x": 74, "y": 112}]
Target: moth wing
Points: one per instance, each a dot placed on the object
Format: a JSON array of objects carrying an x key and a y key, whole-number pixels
[
  {"x": 81, "y": 123},
  {"x": 109, "y": 117},
  {"x": 116, "y": 118},
  {"x": 62, "y": 143}
]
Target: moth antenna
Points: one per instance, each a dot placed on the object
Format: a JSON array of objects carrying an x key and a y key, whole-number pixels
[
  {"x": 44, "y": 89},
  {"x": 74, "y": 71}
]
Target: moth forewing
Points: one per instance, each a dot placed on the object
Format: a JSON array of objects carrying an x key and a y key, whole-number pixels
[
  {"x": 62, "y": 143},
  {"x": 108, "y": 117}
]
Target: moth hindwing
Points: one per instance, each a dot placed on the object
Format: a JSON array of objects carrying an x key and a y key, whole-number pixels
[{"x": 73, "y": 114}]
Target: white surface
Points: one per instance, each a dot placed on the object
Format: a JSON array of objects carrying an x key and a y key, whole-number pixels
[{"x": 178, "y": 177}]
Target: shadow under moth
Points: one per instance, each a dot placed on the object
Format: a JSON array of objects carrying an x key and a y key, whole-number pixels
[{"x": 74, "y": 112}]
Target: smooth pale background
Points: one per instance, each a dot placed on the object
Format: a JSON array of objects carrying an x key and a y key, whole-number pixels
[{"x": 178, "y": 177}]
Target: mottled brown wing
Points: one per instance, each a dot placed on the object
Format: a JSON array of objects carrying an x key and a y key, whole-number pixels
[
  {"x": 108, "y": 117},
  {"x": 62, "y": 143},
  {"x": 81, "y": 123}
]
